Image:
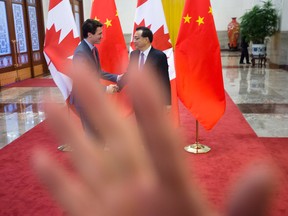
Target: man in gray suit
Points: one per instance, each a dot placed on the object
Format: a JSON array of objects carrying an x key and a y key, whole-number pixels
[{"x": 86, "y": 57}]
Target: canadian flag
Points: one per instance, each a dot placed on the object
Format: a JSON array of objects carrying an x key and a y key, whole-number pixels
[
  {"x": 61, "y": 40},
  {"x": 150, "y": 13}
]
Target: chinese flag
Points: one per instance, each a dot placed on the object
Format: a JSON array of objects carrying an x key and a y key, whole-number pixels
[
  {"x": 112, "y": 49},
  {"x": 145, "y": 16},
  {"x": 198, "y": 64}
]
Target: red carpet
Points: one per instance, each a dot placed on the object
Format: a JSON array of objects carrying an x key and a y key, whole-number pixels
[
  {"x": 20, "y": 192},
  {"x": 35, "y": 82},
  {"x": 278, "y": 147},
  {"x": 234, "y": 145}
]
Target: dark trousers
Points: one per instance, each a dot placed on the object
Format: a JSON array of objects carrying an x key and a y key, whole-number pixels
[{"x": 244, "y": 54}]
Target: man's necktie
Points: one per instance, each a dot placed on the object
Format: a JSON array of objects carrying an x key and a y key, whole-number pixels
[
  {"x": 141, "y": 60},
  {"x": 94, "y": 54}
]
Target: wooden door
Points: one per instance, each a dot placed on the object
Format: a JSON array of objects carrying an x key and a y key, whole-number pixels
[
  {"x": 77, "y": 9},
  {"x": 21, "y": 40}
]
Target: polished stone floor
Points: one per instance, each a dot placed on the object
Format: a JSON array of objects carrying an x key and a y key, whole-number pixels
[{"x": 261, "y": 94}]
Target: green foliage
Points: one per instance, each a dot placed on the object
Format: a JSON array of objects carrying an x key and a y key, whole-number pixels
[{"x": 260, "y": 22}]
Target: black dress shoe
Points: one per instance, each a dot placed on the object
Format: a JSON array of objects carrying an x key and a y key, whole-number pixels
[
  {"x": 248, "y": 63},
  {"x": 241, "y": 62}
]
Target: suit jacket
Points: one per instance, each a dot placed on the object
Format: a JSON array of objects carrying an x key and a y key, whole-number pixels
[
  {"x": 156, "y": 62},
  {"x": 84, "y": 56},
  {"x": 84, "y": 59},
  {"x": 84, "y": 53}
]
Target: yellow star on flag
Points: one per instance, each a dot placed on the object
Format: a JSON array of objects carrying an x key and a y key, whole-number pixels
[
  {"x": 96, "y": 18},
  {"x": 200, "y": 20},
  {"x": 187, "y": 19},
  {"x": 116, "y": 13},
  {"x": 210, "y": 10},
  {"x": 108, "y": 23}
]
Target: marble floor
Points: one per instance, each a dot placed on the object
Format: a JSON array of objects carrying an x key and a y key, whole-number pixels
[{"x": 260, "y": 93}]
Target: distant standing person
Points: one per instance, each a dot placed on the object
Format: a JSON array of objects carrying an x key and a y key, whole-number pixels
[{"x": 244, "y": 51}]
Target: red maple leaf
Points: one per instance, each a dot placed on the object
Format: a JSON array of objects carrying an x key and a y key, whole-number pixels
[
  {"x": 140, "y": 2},
  {"x": 53, "y": 3},
  {"x": 142, "y": 23},
  {"x": 59, "y": 52},
  {"x": 161, "y": 40}
]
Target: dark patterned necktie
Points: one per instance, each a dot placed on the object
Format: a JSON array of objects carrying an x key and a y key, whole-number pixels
[
  {"x": 96, "y": 58},
  {"x": 94, "y": 54}
]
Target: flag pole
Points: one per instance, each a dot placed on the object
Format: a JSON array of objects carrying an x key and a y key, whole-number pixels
[
  {"x": 197, "y": 148},
  {"x": 16, "y": 53},
  {"x": 66, "y": 147}
]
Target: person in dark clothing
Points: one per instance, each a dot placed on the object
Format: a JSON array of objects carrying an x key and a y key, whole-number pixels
[
  {"x": 244, "y": 51},
  {"x": 86, "y": 56},
  {"x": 145, "y": 58}
]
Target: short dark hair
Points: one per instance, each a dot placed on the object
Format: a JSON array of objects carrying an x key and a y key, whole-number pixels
[
  {"x": 90, "y": 25},
  {"x": 146, "y": 32}
]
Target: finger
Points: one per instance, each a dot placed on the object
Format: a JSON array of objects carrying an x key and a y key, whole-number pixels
[
  {"x": 120, "y": 135},
  {"x": 253, "y": 195},
  {"x": 102, "y": 114},
  {"x": 87, "y": 157},
  {"x": 95, "y": 102},
  {"x": 161, "y": 141},
  {"x": 96, "y": 168},
  {"x": 100, "y": 173},
  {"x": 73, "y": 196}
]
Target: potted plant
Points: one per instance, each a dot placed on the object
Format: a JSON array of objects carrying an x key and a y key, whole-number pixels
[{"x": 258, "y": 24}]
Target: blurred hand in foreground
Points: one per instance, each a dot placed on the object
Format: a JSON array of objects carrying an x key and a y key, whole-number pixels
[{"x": 143, "y": 174}]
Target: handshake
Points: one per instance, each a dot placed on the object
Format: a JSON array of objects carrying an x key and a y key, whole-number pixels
[
  {"x": 121, "y": 82},
  {"x": 112, "y": 88}
]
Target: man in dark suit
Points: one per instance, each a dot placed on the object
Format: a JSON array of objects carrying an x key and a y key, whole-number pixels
[
  {"x": 86, "y": 57},
  {"x": 147, "y": 59},
  {"x": 86, "y": 53}
]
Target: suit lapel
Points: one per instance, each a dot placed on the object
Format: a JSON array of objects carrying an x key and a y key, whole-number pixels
[
  {"x": 150, "y": 55},
  {"x": 94, "y": 61}
]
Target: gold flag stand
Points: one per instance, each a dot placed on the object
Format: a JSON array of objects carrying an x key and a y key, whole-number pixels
[{"x": 197, "y": 148}]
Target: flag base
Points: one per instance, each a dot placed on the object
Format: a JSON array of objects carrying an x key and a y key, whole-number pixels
[{"x": 197, "y": 148}]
